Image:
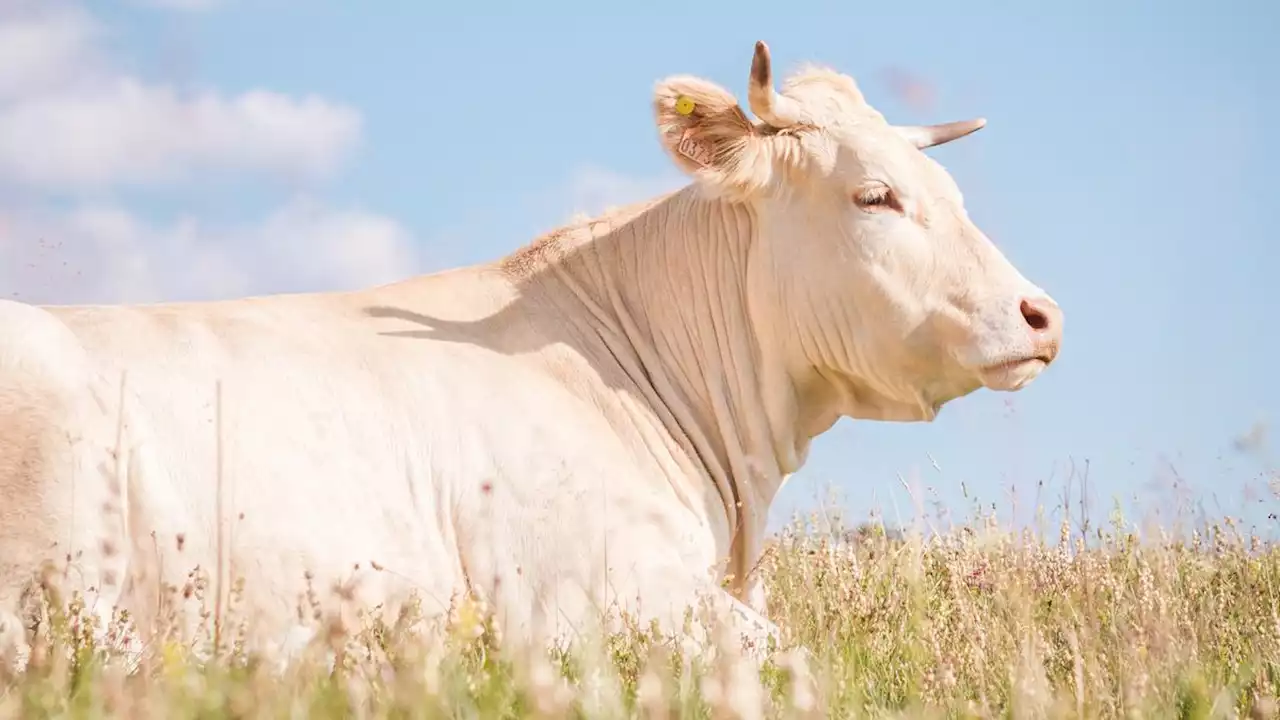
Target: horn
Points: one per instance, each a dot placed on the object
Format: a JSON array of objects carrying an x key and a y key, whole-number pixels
[
  {"x": 925, "y": 136},
  {"x": 765, "y": 102}
]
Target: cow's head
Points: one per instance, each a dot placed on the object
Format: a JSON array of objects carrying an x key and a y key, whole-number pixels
[{"x": 865, "y": 269}]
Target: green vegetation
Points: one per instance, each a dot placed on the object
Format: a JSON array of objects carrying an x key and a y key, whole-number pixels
[{"x": 971, "y": 622}]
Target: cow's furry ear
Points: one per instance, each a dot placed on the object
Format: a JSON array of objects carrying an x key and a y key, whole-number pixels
[{"x": 709, "y": 136}]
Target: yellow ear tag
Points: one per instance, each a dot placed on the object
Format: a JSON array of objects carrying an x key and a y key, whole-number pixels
[{"x": 684, "y": 105}]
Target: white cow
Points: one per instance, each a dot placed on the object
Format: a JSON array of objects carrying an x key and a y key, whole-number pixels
[{"x": 600, "y": 419}]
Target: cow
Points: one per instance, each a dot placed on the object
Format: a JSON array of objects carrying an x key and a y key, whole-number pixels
[{"x": 599, "y": 419}]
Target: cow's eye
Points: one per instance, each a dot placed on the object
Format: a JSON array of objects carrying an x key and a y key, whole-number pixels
[{"x": 877, "y": 198}]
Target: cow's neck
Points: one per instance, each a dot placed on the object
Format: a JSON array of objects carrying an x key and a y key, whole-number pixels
[{"x": 668, "y": 287}]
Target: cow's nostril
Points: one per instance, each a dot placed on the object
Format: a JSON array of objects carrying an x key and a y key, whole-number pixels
[{"x": 1038, "y": 319}]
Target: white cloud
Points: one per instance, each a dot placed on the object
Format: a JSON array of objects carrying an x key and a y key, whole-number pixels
[
  {"x": 44, "y": 49},
  {"x": 104, "y": 253},
  {"x": 130, "y": 133},
  {"x": 592, "y": 189},
  {"x": 70, "y": 121}
]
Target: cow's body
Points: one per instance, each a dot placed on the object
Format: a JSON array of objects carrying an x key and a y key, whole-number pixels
[
  {"x": 480, "y": 429},
  {"x": 598, "y": 421}
]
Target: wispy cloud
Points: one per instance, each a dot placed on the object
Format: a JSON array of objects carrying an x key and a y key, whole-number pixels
[
  {"x": 74, "y": 125},
  {"x": 69, "y": 120},
  {"x": 592, "y": 189},
  {"x": 103, "y": 252},
  {"x": 130, "y": 133}
]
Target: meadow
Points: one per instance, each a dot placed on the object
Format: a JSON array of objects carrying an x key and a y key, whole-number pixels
[{"x": 970, "y": 621}]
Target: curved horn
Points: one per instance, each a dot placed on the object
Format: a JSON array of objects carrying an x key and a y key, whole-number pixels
[
  {"x": 764, "y": 101},
  {"x": 925, "y": 136}
]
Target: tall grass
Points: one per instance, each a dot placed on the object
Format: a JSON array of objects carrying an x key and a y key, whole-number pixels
[{"x": 976, "y": 621}]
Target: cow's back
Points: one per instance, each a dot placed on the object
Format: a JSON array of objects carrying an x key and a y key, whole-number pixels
[{"x": 382, "y": 438}]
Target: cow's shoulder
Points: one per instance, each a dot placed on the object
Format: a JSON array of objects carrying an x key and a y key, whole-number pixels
[
  {"x": 46, "y": 371},
  {"x": 33, "y": 334}
]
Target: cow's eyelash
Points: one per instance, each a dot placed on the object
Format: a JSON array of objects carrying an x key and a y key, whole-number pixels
[{"x": 878, "y": 197}]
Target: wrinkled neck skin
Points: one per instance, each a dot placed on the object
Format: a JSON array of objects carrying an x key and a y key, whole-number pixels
[{"x": 669, "y": 293}]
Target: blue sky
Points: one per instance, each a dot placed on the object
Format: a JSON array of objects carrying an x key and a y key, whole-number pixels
[{"x": 1128, "y": 167}]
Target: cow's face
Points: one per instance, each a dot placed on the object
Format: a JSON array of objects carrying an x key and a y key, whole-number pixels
[{"x": 865, "y": 265}]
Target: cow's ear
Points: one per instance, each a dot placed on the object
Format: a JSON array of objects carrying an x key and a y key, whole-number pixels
[{"x": 709, "y": 136}]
